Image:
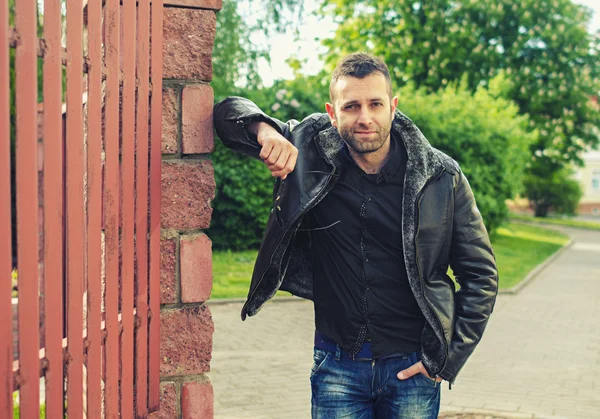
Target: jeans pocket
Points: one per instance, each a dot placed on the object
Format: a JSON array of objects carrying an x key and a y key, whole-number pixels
[
  {"x": 320, "y": 356},
  {"x": 423, "y": 378}
]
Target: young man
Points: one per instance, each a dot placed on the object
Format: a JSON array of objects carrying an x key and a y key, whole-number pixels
[{"x": 366, "y": 219}]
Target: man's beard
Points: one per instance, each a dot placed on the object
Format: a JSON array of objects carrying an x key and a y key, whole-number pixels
[{"x": 365, "y": 147}]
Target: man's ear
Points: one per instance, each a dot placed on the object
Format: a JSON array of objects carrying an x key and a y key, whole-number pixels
[
  {"x": 394, "y": 103},
  {"x": 331, "y": 113}
]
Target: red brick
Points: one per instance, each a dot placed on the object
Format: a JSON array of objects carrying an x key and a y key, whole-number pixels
[
  {"x": 168, "y": 401},
  {"x": 588, "y": 208},
  {"x": 188, "y": 37},
  {"x": 170, "y": 121},
  {"x": 168, "y": 264},
  {"x": 185, "y": 341},
  {"x": 197, "y": 401},
  {"x": 197, "y": 119},
  {"x": 187, "y": 189},
  {"x": 198, "y": 4},
  {"x": 196, "y": 268}
]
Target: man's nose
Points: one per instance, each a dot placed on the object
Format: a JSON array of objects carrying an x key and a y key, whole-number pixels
[{"x": 365, "y": 116}]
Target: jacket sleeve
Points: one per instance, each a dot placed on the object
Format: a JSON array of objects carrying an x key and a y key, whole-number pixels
[
  {"x": 474, "y": 266},
  {"x": 232, "y": 115}
]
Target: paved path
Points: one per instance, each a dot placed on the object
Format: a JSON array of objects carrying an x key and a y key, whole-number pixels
[{"x": 540, "y": 356}]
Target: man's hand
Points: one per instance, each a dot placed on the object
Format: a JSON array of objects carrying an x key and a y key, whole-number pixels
[
  {"x": 277, "y": 152},
  {"x": 417, "y": 368}
]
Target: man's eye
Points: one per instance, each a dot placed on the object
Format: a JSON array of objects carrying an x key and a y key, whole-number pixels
[
  {"x": 377, "y": 104},
  {"x": 350, "y": 107}
]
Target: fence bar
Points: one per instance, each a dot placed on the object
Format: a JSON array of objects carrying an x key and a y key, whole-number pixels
[
  {"x": 142, "y": 139},
  {"x": 6, "y": 341},
  {"x": 128, "y": 173},
  {"x": 75, "y": 209},
  {"x": 155, "y": 197},
  {"x": 27, "y": 207},
  {"x": 53, "y": 210},
  {"x": 111, "y": 200},
  {"x": 94, "y": 212}
]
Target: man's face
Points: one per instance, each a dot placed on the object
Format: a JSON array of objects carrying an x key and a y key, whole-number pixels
[{"x": 363, "y": 112}]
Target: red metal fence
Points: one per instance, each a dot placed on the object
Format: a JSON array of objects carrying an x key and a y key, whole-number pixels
[{"x": 84, "y": 182}]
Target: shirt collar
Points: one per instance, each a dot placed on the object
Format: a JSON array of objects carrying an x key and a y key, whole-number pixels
[{"x": 393, "y": 170}]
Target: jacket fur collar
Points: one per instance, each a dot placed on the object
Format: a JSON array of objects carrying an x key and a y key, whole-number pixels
[{"x": 424, "y": 163}]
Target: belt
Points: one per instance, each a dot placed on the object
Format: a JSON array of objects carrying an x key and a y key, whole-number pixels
[{"x": 327, "y": 344}]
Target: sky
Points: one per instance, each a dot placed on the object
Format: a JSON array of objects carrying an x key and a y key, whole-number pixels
[{"x": 284, "y": 46}]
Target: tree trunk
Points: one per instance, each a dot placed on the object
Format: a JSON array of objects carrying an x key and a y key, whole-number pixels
[{"x": 541, "y": 210}]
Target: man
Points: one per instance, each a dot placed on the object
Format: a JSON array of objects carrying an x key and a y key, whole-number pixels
[{"x": 366, "y": 219}]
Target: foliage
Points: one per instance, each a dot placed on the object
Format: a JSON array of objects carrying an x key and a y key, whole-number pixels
[
  {"x": 17, "y": 408},
  {"x": 542, "y": 45},
  {"x": 553, "y": 190},
  {"x": 483, "y": 133},
  {"x": 242, "y": 200},
  {"x": 236, "y": 56},
  {"x": 244, "y": 186},
  {"x": 299, "y": 97}
]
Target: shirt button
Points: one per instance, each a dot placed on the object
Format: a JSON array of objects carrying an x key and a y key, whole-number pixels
[
  {"x": 368, "y": 289},
  {"x": 367, "y": 259},
  {"x": 369, "y": 199}
]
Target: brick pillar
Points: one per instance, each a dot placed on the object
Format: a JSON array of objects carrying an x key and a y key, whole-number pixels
[{"x": 188, "y": 187}]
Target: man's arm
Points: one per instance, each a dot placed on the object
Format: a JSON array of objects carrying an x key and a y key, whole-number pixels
[
  {"x": 474, "y": 266},
  {"x": 243, "y": 127},
  {"x": 276, "y": 151}
]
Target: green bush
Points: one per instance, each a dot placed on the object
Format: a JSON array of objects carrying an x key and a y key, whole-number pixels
[
  {"x": 556, "y": 190},
  {"x": 483, "y": 132},
  {"x": 17, "y": 408},
  {"x": 244, "y": 185},
  {"x": 242, "y": 200}
]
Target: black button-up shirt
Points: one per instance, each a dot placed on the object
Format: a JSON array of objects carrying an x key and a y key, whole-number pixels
[{"x": 361, "y": 289}]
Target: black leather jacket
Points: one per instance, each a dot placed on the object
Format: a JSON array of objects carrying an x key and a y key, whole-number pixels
[{"x": 441, "y": 226}]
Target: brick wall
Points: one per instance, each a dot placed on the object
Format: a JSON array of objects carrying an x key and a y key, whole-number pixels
[
  {"x": 187, "y": 190},
  {"x": 589, "y": 208}
]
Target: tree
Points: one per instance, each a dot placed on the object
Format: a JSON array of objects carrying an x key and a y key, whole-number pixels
[
  {"x": 241, "y": 204},
  {"x": 542, "y": 45},
  {"x": 235, "y": 56},
  {"x": 483, "y": 132},
  {"x": 553, "y": 190}
]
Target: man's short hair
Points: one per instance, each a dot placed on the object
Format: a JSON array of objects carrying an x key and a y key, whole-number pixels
[{"x": 359, "y": 65}]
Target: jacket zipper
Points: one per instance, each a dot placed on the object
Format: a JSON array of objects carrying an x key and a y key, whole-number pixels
[
  {"x": 419, "y": 267},
  {"x": 311, "y": 204}
]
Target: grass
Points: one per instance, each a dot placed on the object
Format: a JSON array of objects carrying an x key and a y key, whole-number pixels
[
  {"x": 519, "y": 248},
  {"x": 568, "y": 222},
  {"x": 17, "y": 410},
  {"x": 232, "y": 272}
]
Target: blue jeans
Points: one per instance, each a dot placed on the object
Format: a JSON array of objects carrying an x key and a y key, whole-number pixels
[{"x": 365, "y": 389}]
